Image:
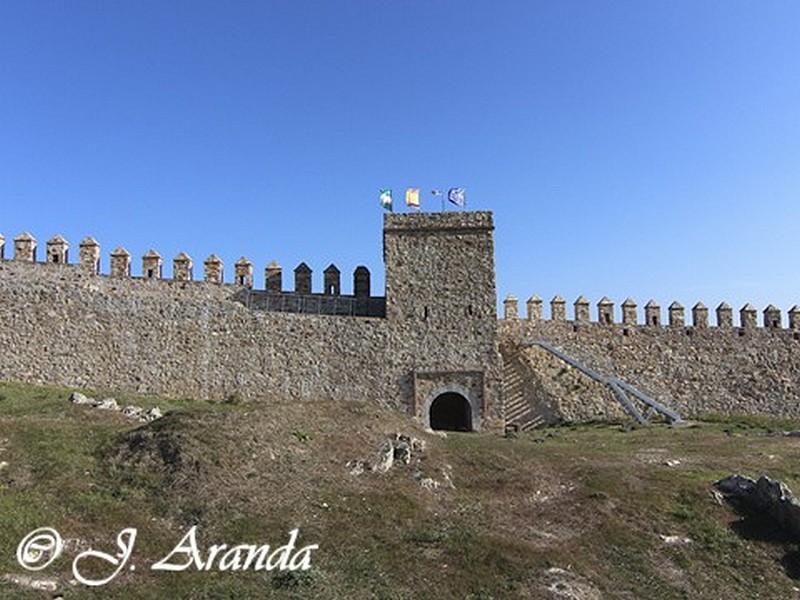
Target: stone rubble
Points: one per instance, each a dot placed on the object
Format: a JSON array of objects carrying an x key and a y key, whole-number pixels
[
  {"x": 45, "y": 585},
  {"x": 432, "y": 484},
  {"x": 675, "y": 540},
  {"x": 406, "y": 450},
  {"x": 568, "y": 585},
  {"x": 134, "y": 412}
]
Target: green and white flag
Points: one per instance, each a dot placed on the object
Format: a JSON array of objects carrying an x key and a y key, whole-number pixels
[{"x": 386, "y": 199}]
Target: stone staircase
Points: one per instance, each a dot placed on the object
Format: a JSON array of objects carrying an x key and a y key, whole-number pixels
[
  {"x": 518, "y": 411},
  {"x": 543, "y": 385}
]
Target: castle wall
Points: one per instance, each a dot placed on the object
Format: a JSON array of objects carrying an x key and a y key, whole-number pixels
[
  {"x": 697, "y": 370},
  {"x": 61, "y": 325},
  {"x": 65, "y": 324}
]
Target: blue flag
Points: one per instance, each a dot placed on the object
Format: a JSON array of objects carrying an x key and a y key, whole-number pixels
[{"x": 457, "y": 196}]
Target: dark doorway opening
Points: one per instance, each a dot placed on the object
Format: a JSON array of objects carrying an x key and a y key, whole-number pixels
[{"x": 451, "y": 412}]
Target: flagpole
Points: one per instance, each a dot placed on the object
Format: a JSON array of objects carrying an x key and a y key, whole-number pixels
[{"x": 439, "y": 193}]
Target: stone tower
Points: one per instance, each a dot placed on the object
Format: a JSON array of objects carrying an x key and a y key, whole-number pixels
[{"x": 441, "y": 300}]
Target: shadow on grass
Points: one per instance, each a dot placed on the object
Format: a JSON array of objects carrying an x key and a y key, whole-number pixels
[
  {"x": 791, "y": 564},
  {"x": 762, "y": 528}
]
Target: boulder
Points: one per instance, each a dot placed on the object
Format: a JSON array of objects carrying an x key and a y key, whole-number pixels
[
  {"x": 764, "y": 496},
  {"x": 402, "y": 449},
  {"x": 153, "y": 414},
  {"x": 108, "y": 404},
  {"x": 133, "y": 411},
  {"x": 399, "y": 449},
  {"x": 78, "y": 398},
  {"x": 385, "y": 458}
]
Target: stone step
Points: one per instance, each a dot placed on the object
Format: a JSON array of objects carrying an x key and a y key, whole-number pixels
[
  {"x": 516, "y": 410},
  {"x": 533, "y": 423},
  {"x": 516, "y": 407}
]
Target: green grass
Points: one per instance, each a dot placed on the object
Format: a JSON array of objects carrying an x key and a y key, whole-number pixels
[{"x": 581, "y": 506}]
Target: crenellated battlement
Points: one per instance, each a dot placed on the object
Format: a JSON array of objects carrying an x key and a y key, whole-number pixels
[
  {"x": 771, "y": 316},
  {"x": 152, "y": 267}
]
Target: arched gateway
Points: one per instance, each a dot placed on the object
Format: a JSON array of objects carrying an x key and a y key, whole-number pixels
[
  {"x": 451, "y": 411},
  {"x": 449, "y": 400}
]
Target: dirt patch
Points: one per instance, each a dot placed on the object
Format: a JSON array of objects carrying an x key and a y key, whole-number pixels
[{"x": 249, "y": 459}]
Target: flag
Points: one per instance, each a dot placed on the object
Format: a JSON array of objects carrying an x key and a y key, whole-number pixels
[
  {"x": 386, "y": 199},
  {"x": 412, "y": 197},
  {"x": 457, "y": 196}
]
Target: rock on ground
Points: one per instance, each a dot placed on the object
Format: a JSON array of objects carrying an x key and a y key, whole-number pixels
[{"x": 763, "y": 496}]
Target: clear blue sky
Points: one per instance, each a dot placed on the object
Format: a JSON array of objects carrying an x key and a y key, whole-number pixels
[{"x": 639, "y": 148}]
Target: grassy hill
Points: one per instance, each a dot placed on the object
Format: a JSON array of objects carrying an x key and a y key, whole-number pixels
[{"x": 604, "y": 511}]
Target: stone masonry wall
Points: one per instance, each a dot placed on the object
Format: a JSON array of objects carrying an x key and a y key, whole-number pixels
[
  {"x": 558, "y": 393},
  {"x": 65, "y": 324},
  {"x": 441, "y": 303},
  {"x": 62, "y": 325},
  {"x": 696, "y": 370}
]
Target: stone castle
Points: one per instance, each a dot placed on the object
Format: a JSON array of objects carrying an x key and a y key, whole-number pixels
[
  {"x": 432, "y": 346},
  {"x": 429, "y": 346}
]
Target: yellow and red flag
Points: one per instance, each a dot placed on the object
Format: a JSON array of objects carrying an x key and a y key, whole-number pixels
[{"x": 412, "y": 197}]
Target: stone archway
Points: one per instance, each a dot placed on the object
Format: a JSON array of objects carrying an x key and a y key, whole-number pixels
[{"x": 450, "y": 411}]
